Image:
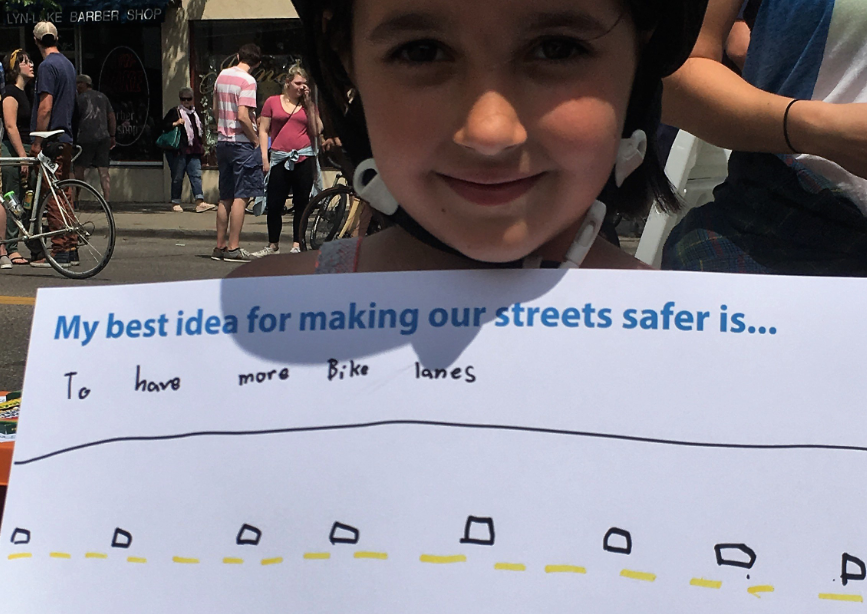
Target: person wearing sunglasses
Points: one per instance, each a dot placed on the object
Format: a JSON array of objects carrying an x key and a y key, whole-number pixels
[{"x": 187, "y": 159}]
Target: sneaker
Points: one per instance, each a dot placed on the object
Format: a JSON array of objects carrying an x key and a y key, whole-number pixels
[
  {"x": 295, "y": 250},
  {"x": 5, "y": 262},
  {"x": 218, "y": 253},
  {"x": 61, "y": 258},
  {"x": 237, "y": 255},
  {"x": 266, "y": 251}
]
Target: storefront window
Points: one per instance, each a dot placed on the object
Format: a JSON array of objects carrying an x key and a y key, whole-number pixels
[
  {"x": 125, "y": 65},
  {"x": 214, "y": 44}
]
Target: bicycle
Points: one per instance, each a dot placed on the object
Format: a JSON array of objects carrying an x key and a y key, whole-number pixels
[
  {"x": 334, "y": 213},
  {"x": 89, "y": 220}
]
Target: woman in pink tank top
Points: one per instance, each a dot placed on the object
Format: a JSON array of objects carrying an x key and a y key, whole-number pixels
[{"x": 291, "y": 125}]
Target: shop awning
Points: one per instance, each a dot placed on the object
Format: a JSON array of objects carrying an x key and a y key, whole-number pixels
[{"x": 71, "y": 12}]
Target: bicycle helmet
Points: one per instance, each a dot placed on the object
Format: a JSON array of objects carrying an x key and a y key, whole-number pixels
[{"x": 675, "y": 25}]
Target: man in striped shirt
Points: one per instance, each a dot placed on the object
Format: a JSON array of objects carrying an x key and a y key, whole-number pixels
[{"x": 238, "y": 156}]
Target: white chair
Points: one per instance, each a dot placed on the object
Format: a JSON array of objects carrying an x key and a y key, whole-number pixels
[{"x": 694, "y": 168}]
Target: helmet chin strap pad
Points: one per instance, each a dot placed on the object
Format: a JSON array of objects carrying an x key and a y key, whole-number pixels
[
  {"x": 370, "y": 187},
  {"x": 630, "y": 156}
]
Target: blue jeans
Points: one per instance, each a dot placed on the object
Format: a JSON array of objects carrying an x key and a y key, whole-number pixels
[{"x": 189, "y": 164}]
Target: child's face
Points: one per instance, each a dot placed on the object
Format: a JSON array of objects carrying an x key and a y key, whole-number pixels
[{"x": 495, "y": 123}]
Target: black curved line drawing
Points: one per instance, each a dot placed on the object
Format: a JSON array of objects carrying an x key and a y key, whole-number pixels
[
  {"x": 335, "y": 538},
  {"x": 615, "y": 532},
  {"x": 20, "y": 536},
  {"x": 722, "y": 561},
  {"x": 456, "y": 425},
  {"x": 121, "y": 539},
  {"x": 854, "y": 560},
  {"x": 485, "y": 524},
  {"x": 244, "y": 536}
]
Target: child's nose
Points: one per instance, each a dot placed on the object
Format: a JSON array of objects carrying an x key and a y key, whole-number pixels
[{"x": 492, "y": 126}]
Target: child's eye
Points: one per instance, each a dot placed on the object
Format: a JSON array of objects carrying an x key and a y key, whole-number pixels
[
  {"x": 420, "y": 52},
  {"x": 559, "y": 49}
]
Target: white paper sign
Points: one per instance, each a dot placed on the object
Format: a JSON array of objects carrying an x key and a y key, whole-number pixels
[{"x": 513, "y": 441}]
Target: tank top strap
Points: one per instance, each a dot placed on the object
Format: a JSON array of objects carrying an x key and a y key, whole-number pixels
[{"x": 338, "y": 256}]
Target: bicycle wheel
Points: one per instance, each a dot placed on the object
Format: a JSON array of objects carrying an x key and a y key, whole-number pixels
[
  {"x": 324, "y": 216},
  {"x": 87, "y": 228}
]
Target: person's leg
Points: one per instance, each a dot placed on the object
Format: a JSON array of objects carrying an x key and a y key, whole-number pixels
[
  {"x": 278, "y": 192},
  {"x": 105, "y": 180},
  {"x": 10, "y": 179},
  {"x": 302, "y": 184},
  {"x": 193, "y": 169},
  {"x": 176, "y": 166},
  {"x": 57, "y": 218},
  {"x": 102, "y": 162},
  {"x": 225, "y": 166},
  {"x": 236, "y": 222},
  {"x": 249, "y": 183}
]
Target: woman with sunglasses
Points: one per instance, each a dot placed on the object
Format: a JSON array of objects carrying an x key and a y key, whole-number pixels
[
  {"x": 187, "y": 160},
  {"x": 17, "y": 105}
]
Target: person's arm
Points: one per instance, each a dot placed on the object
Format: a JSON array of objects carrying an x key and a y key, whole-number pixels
[
  {"x": 709, "y": 100},
  {"x": 43, "y": 117},
  {"x": 112, "y": 124},
  {"x": 10, "y": 114},
  {"x": 314, "y": 124},
  {"x": 264, "y": 128},
  {"x": 247, "y": 124}
]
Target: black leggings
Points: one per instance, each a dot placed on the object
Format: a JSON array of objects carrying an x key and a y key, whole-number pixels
[{"x": 300, "y": 181}]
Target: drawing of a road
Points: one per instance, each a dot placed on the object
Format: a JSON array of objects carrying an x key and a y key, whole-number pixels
[{"x": 428, "y": 516}]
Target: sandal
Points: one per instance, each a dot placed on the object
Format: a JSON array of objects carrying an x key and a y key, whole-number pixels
[
  {"x": 177, "y": 209},
  {"x": 18, "y": 259},
  {"x": 203, "y": 206}
]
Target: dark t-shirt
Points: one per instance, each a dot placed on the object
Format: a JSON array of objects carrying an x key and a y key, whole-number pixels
[
  {"x": 23, "y": 116},
  {"x": 56, "y": 76},
  {"x": 94, "y": 109}
]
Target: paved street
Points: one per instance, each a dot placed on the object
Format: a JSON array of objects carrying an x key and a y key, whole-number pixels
[{"x": 152, "y": 245}]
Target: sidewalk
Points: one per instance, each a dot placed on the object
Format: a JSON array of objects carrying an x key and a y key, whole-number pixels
[{"x": 158, "y": 220}]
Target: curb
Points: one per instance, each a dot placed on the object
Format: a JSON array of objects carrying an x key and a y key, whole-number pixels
[{"x": 181, "y": 233}]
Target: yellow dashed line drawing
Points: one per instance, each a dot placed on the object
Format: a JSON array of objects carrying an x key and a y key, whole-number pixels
[
  {"x": 764, "y": 588},
  {"x": 95, "y": 555},
  {"x": 233, "y": 561},
  {"x": 838, "y": 597},
  {"x": 510, "y": 567},
  {"x": 317, "y": 556},
  {"x": 136, "y": 559},
  {"x": 442, "y": 560},
  {"x": 380, "y": 556},
  {"x": 275, "y": 561},
  {"x": 60, "y": 555},
  {"x": 638, "y": 575},
  {"x": 185, "y": 561},
  {"x": 20, "y": 555},
  {"x": 564, "y": 569},
  {"x": 705, "y": 583}
]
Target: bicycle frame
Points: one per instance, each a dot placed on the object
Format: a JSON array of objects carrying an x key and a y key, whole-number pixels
[{"x": 47, "y": 168}]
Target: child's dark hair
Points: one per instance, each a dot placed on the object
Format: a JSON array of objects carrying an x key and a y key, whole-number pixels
[{"x": 674, "y": 25}]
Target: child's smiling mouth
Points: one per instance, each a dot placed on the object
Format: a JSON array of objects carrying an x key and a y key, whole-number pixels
[{"x": 491, "y": 192}]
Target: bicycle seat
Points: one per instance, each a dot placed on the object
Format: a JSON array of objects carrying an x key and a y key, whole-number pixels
[{"x": 47, "y": 134}]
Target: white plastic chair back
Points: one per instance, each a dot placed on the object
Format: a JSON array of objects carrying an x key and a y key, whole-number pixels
[{"x": 694, "y": 168}]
